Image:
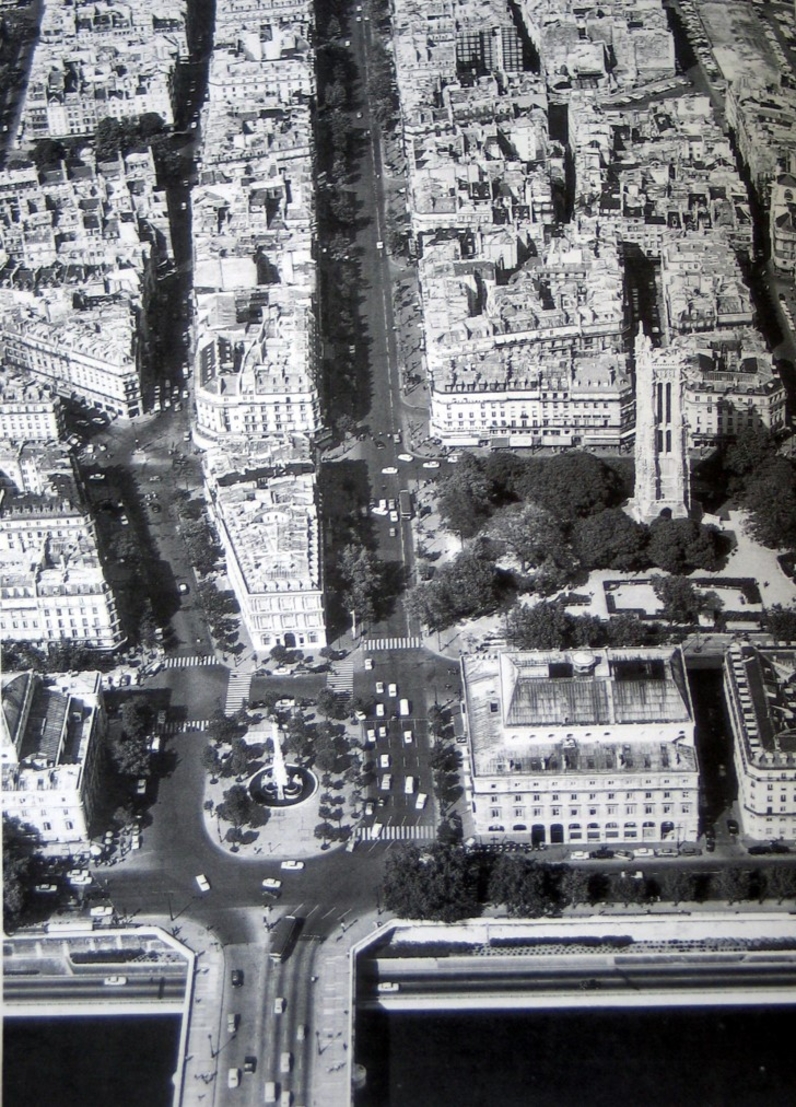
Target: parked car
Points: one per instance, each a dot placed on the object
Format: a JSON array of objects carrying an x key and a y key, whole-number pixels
[
  {"x": 271, "y": 884},
  {"x": 250, "y": 1063},
  {"x": 237, "y": 978},
  {"x": 292, "y": 866},
  {"x": 279, "y": 1005},
  {"x": 232, "y": 1022},
  {"x": 233, "y": 1078},
  {"x": 203, "y": 883},
  {"x": 115, "y": 981},
  {"x": 732, "y": 826},
  {"x": 602, "y": 854}
]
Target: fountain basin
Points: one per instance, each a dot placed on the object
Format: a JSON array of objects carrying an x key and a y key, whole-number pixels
[{"x": 300, "y": 784}]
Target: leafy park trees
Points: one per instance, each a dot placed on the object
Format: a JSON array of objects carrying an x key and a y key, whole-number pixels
[
  {"x": 435, "y": 883},
  {"x": 465, "y": 587},
  {"x": 681, "y": 545},
  {"x": 682, "y": 601},
  {"x": 361, "y": 578},
  {"x": 610, "y": 539},
  {"x": 527, "y": 888},
  {"x": 20, "y": 842},
  {"x": 781, "y": 622},
  {"x": 129, "y": 746},
  {"x": 239, "y": 809}
]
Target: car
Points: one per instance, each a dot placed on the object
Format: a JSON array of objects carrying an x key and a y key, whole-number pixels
[
  {"x": 270, "y": 1092},
  {"x": 271, "y": 884},
  {"x": 369, "y": 808},
  {"x": 236, "y": 976},
  {"x": 45, "y": 889},
  {"x": 688, "y": 850},
  {"x": 380, "y": 445},
  {"x": 732, "y": 826},
  {"x": 96, "y": 476},
  {"x": 779, "y": 847},
  {"x": 79, "y": 876},
  {"x": 203, "y": 882},
  {"x": 431, "y": 465},
  {"x": 405, "y": 457},
  {"x": 232, "y": 1022},
  {"x": 408, "y": 737},
  {"x": 387, "y": 986},
  {"x": 233, "y": 1078},
  {"x": 420, "y": 801},
  {"x": 368, "y": 663},
  {"x": 389, "y": 471},
  {"x": 140, "y": 786},
  {"x": 381, "y": 801},
  {"x": 183, "y": 589},
  {"x": 644, "y": 851},
  {"x": 292, "y": 866},
  {"x": 393, "y": 532},
  {"x": 710, "y": 844},
  {"x": 384, "y": 761},
  {"x": 385, "y": 783},
  {"x": 624, "y": 854},
  {"x": 301, "y": 1032},
  {"x": 379, "y": 244},
  {"x": 285, "y": 1062},
  {"x": 579, "y": 855},
  {"x": 602, "y": 854},
  {"x": 759, "y": 851},
  {"x": 381, "y": 731},
  {"x": 460, "y": 738},
  {"x": 250, "y": 1063},
  {"x": 115, "y": 981},
  {"x": 667, "y": 851},
  {"x": 379, "y": 687},
  {"x": 279, "y": 1005},
  {"x": 379, "y": 710},
  {"x": 286, "y": 1098},
  {"x": 370, "y": 736},
  {"x": 392, "y": 690}
]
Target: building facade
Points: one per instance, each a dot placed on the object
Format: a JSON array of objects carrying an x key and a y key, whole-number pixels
[
  {"x": 51, "y": 754},
  {"x": 760, "y": 694},
  {"x": 584, "y": 748}
]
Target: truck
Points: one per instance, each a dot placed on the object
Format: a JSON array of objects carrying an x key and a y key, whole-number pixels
[
  {"x": 405, "y": 502},
  {"x": 283, "y": 937}
]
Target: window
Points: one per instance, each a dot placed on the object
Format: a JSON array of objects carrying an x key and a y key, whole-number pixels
[{"x": 649, "y": 810}]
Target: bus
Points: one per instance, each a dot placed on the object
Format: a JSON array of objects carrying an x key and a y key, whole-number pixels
[
  {"x": 405, "y": 501},
  {"x": 283, "y": 935}
]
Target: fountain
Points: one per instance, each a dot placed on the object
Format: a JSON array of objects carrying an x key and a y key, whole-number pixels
[{"x": 280, "y": 784}]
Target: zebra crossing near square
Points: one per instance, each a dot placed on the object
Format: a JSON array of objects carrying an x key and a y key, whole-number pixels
[
  {"x": 396, "y": 833},
  {"x": 188, "y": 662},
  {"x": 408, "y": 642}
]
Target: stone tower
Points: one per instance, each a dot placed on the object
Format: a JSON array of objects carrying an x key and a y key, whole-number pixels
[{"x": 662, "y": 475}]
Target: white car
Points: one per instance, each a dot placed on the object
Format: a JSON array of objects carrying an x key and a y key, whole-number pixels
[
  {"x": 233, "y": 1078},
  {"x": 115, "y": 981},
  {"x": 579, "y": 855},
  {"x": 203, "y": 883},
  {"x": 389, "y": 471},
  {"x": 387, "y": 986},
  {"x": 382, "y": 731},
  {"x": 431, "y": 465},
  {"x": 384, "y": 761},
  {"x": 392, "y": 690},
  {"x": 379, "y": 687},
  {"x": 279, "y": 1005},
  {"x": 408, "y": 737},
  {"x": 380, "y": 710},
  {"x": 644, "y": 851},
  {"x": 270, "y": 884},
  {"x": 405, "y": 457},
  {"x": 368, "y": 663},
  {"x": 292, "y": 866},
  {"x": 102, "y": 911}
]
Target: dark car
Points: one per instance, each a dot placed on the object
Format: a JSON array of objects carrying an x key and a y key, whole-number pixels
[
  {"x": 710, "y": 844},
  {"x": 732, "y": 826},
  {"x": 779, "y": 847},
  {"x": 602, "y": 854},
  {"x": 237, "y": 978},
  {"x": 250, "y": 1063},
  {"x": 758, "y": 851},
  {"x": 690, "y": 851}
]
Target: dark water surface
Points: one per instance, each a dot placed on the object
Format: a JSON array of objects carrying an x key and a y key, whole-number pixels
[{"x": 90, "y": 1062}]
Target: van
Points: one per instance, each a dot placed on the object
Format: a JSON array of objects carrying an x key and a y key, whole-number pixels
[
  {"x": 409, "y": 785},
  {"x": 270, "y": 1091},
  {"x": 403, "y": 707}
]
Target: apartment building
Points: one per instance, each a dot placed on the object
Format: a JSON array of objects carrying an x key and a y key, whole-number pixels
[
  {"x": 267, "y": 520},
  {"x": 90, "y": 355},
  {"x": 30, "y": 411},
  {"x": 584, "y": 747},
  {"x": 760, "y": 694},
  {"x": 702, "y": 286},
  {"x": 782, "y": 223},
  {"x": 51, "y": 752}
]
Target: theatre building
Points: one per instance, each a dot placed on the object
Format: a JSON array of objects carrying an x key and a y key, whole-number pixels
[{"x": 587, "y": 746}]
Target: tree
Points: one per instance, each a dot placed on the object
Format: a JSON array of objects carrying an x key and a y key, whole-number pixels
[
  {"x": 676, "y": 885},
  {"x": 611, "y": 540},
  {"x": 235, "y": 807},
  {"x": 465, "y": 497},
  {"x": 331, "y": 704},
  {"x": 545, "y": 626},
  {"x": 750, "y": 452},
  {"x": 630, "y": 630},
  {"x": 682, "y": 601},
  {"x": 433, "y": 884},
  {"x": 361, "y": 576},
  {"x": 211, "y": 759},
  {"x": 519, "y": 883},
  {"x": 533, "y": 534},
  {"x": 770, "y": 497},
  {"x": 731, "y": 885},
  {"x": 136, "y": 717},
  {"x": 20, "y": 842},
  {"x": 781, "y": 882},
  {"x": 781, "y": 623},
  {"x": 680, "y": 545},
  {"x": 466, "y": 587},
  {"x": 628, "y": 889},
  {"x": 221, "y": 729},
  {"x": 571, "y": 485}
]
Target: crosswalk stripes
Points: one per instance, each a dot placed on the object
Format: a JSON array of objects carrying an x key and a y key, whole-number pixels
[
  {"x": 396, "y": 833},
  {"x": 185, "y": 726},
  {"x": 237, "y": 691},
  {"x": 188, "y": 662},
  {"x": 408, "y": 642},
  {"x": 341, "y": 679}
]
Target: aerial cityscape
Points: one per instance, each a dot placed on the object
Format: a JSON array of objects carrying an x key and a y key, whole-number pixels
[{"x": 398, "y": 552}]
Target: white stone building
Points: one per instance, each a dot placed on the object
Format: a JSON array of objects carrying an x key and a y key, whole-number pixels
[
  {"x": 760, "y": 694},
  {"x": 29, "y": 410},
  {"x": 582, "y": 748},
  {"x": 52, "y": 732}
]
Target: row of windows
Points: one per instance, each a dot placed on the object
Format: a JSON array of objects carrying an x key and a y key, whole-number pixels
[{"x": 575, "y": 812}]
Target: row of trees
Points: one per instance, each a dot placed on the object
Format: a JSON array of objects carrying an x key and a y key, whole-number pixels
[
  {"x": 129, "y": 744},
  {"x": 446, "y": 883},
  {"x": 58, "y": 657}
]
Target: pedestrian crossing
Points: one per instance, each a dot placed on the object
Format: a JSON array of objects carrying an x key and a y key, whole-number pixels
[
  {"x": 341, "y": 678},
  {"x": 408, "y": 642},
  {"x": 188, "y": 662},
  {"x": 396, "y": 833},
  {"x": 237, "y": 691},
  {"x": 186, "y": 726}
]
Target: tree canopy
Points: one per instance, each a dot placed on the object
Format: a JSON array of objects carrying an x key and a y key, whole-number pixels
[
  {"x": 467, "y": 586},
  {"x": 435, "y": 883},
  {"x": 682, "y": 601},
  {"x": 681, "y": 545},
  {"x": 20, "y": 841},
  {"x": 610, "y": 539}
]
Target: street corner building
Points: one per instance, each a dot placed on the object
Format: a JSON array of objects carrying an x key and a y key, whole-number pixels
[{"x": 582, "y": 746}]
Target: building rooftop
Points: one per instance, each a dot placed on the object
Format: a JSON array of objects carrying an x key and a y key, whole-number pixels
[{"x": 764, "y": 681}]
